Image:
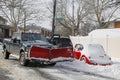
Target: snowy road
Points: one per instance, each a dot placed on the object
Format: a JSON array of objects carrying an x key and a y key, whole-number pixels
[{"x": 11, "y": 70}]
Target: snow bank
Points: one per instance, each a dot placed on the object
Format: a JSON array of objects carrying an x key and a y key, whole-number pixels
[
  {"x": 105, "y": 33},
  {"x": 110, "y": 71}
]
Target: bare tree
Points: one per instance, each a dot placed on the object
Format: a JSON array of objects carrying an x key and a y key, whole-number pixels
[
  {"x": 103, "y": 11},
  {"x": 70, "y": 14},
  {"x": 17, "y": 12}
]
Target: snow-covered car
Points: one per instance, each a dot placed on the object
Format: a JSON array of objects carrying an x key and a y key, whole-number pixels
[{"x": 92, "y": 54}]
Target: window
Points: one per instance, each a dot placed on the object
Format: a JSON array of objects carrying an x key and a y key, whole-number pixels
[{"x": 33, "y": 37}]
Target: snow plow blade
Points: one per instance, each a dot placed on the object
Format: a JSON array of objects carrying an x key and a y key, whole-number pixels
[
  {"x": 39, "y": 53},
  {"x": 62, "y": 54},
  {"x": 51, "y": 55}
]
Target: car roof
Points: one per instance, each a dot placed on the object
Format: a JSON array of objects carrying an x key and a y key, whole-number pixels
[{"x": 93, "y": 48}]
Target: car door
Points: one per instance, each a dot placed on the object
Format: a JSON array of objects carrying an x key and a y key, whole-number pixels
[{"x": 15, "y": 46}]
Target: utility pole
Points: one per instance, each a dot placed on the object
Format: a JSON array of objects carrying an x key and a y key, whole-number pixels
[
  {"x": 73, "y": 8},
  {"x": 24, "y": 21},
  {"x": 54, "y": 15}
]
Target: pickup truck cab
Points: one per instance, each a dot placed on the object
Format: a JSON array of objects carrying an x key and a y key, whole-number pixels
[
  {"x": 56, "y": 39},
  {"x": 34, "y": 46}
]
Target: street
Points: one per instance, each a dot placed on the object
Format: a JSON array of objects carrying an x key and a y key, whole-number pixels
[{"x": 11, "y": 70}]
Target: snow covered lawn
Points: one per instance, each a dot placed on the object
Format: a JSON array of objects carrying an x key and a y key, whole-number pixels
[{"x": 110, "y": 71}]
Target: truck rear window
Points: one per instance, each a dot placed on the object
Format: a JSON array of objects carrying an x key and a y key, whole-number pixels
[{"x": 33, "y": 37}]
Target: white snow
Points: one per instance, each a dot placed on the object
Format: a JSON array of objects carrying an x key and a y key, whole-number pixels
[
  {"x": 62, "y": 59},
  {"x": 111, "y": 71},
  {"x": 24, "y": 74},
  {"x": 40, "y": 59},
  {"x": 75, "y": 70},
  {"x": 105, "y": 33}
]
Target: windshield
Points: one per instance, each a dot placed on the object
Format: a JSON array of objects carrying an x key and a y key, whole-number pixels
[
  {"x": 96, "y": 49},
  {"x": 33, "y": 37}
]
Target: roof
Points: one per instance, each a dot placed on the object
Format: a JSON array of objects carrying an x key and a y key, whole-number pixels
[
  {"x": 5, "y": 26},
  {"x": 3, "y": 18}
]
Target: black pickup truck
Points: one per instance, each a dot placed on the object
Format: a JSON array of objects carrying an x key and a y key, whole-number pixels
[{"x": 34, "y": 46}]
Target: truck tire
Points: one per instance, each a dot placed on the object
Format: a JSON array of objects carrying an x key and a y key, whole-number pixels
[
  {"x": 6, "y": 54},
  {"x": 22, "y": 60}
]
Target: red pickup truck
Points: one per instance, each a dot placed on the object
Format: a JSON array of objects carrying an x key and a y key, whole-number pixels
[{"x": 35, "y": 47}]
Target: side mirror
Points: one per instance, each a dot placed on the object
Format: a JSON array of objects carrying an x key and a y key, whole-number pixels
[
  {"x": 15, "y": 40},
  {"x": 79, "y": 47}
]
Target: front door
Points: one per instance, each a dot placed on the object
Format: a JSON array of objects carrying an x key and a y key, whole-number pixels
[
  {"x": 15, "y": 48},
  {"x": 6, "y": 33}
]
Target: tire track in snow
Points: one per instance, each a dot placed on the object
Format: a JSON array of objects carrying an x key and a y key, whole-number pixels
[
  {"x": 8, "y": 69},
  {"x": 46, "y": 75},
  {"x": 3, "y": 75},
  {"x": 4, "y": 71},
  {"x": 87, "y": 73}
]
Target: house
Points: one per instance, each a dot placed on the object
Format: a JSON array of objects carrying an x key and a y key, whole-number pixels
[
  {"x": 114, "y": 23},
  {"x": 2, "y": 20},
  {"x": 36, "y": 29},
  {"x": 5, "y": 30},
  {"x": 117, "y": 24}
]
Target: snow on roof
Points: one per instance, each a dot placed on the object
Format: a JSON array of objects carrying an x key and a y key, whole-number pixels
[{"x": 105, "y": 33}]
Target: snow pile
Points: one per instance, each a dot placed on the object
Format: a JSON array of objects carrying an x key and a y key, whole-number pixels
[
  {"x": 110, "y": 71},
  {"x": 61, "y": 59},
  {"x": 105, "y": 33}
]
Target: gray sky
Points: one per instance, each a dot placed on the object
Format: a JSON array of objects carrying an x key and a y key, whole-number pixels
[{"x": 42, "y": 5}]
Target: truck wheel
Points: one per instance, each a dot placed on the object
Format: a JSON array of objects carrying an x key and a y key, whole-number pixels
[
  {"x": 6, "y": 54},
  {"x": 22, "y": 60}
]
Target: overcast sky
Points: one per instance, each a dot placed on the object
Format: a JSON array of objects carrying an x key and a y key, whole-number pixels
[
  {"x": 47, "y": 21},
  {"x": 42, "y": 5}
]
